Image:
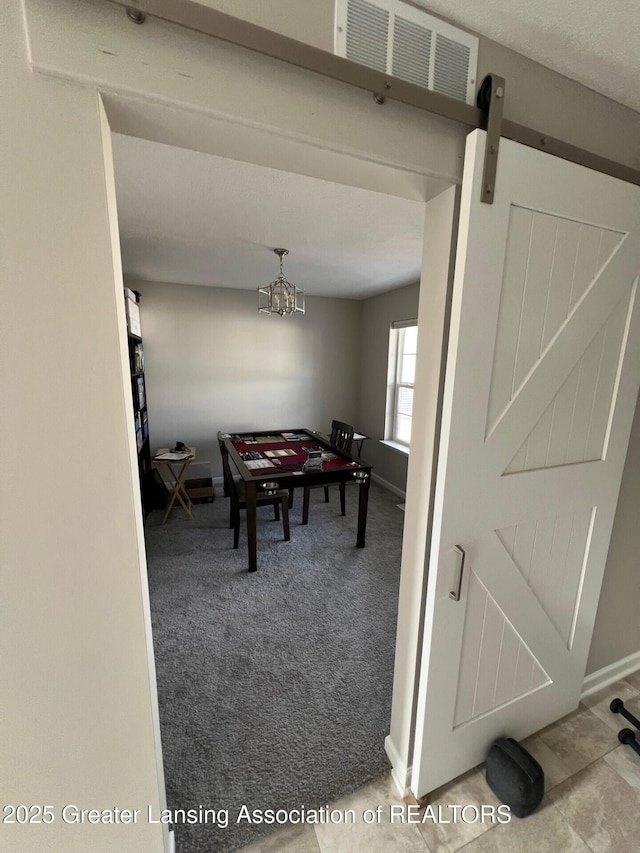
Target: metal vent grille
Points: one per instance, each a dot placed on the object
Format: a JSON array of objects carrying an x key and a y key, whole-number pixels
[
  {"x": 408, "y": 43},
  {"x": 411, "y": 56},
  {"x": 451, "y": 68},
  {"x": 367, "y": 34}
]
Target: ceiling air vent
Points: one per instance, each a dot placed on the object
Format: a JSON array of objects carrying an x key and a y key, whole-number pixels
[{"x": 408, "y": 43}]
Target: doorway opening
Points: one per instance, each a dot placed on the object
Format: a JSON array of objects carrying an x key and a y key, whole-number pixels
[{"x": 241, "y": 692}]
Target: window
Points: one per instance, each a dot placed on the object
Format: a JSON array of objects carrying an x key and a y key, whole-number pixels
[{"x": 401, "y": 377}]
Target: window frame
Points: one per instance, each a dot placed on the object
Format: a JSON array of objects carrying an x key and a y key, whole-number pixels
[{"x": 395, "y": 383}]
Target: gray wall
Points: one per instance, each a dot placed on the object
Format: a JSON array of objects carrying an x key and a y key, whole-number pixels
[
  {"x": 617, "y": 630},
  {"x": 378, "y": 312},
  {"x": 213, "y": 363}
]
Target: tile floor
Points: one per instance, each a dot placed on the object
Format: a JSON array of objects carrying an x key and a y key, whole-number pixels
[{"x": 591, "y": 803}]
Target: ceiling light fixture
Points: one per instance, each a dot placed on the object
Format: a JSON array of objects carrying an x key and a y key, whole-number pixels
[{"x": 280, "y": 297}]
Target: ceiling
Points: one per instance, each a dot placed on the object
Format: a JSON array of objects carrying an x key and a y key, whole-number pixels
[{"x": 192, "y": 218}]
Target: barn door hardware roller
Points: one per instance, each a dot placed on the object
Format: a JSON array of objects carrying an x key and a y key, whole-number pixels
[{"x": 490, "y": 100}]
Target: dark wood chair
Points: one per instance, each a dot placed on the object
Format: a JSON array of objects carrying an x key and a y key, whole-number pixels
[
  {"x": 341, "y": 438},
  {"x": 237, "y": 498}
]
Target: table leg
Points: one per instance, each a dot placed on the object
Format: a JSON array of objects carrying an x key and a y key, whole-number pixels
[
  {"x": 305, "y": 505},
  {"x": 170, "y": 503},
  {"x": 173, "y": 495},
  {"x": 181, "y": 492},
  {"x": 363, "y": 503},
  {"x": 178, "y": 491},
  {"x": 250, "y": 497}
]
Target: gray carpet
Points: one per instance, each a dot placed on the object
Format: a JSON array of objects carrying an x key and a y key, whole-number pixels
[{"x": 274, "y": 688}]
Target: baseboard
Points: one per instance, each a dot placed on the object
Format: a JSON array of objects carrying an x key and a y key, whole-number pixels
[
  {"x": 610, "y": 674},
  {"x": 400, "y": 772},
  {"x": 172, "y": 841},
  {"x": 389, "y": 486}
]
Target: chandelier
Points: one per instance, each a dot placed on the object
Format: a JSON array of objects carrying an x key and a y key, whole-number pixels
[{"x": 280, "y": 297}]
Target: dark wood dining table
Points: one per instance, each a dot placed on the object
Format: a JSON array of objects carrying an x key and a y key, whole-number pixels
[{"x": 286, "y": 454}]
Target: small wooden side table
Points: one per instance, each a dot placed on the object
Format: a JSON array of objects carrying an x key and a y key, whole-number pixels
[
  {"x": 175, "y": 465},
  {"x": 359, "y": 438}
]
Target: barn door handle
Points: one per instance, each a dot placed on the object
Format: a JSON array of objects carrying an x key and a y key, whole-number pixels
[{"x": 455, "y": 593}]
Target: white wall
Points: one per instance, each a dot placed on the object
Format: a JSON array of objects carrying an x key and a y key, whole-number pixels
[
  {"x": 310, "y": 21},
  {"x": 213, "y": 363},
  {"x": 77, "y": 708},
  {"x": 176, "y": 86}
]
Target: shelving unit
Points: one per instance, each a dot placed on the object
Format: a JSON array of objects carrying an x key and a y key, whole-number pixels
[{"x": 139, "y": 394}]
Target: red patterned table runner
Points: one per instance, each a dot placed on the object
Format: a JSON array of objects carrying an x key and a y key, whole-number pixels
[{"x": 245, "y": 445}]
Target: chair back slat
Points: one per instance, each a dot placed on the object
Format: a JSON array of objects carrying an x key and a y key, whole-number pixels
[{"x": 341, "y": 435}]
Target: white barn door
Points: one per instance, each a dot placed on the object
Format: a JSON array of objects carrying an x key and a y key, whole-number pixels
[{"x": 542, "y": 379}]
